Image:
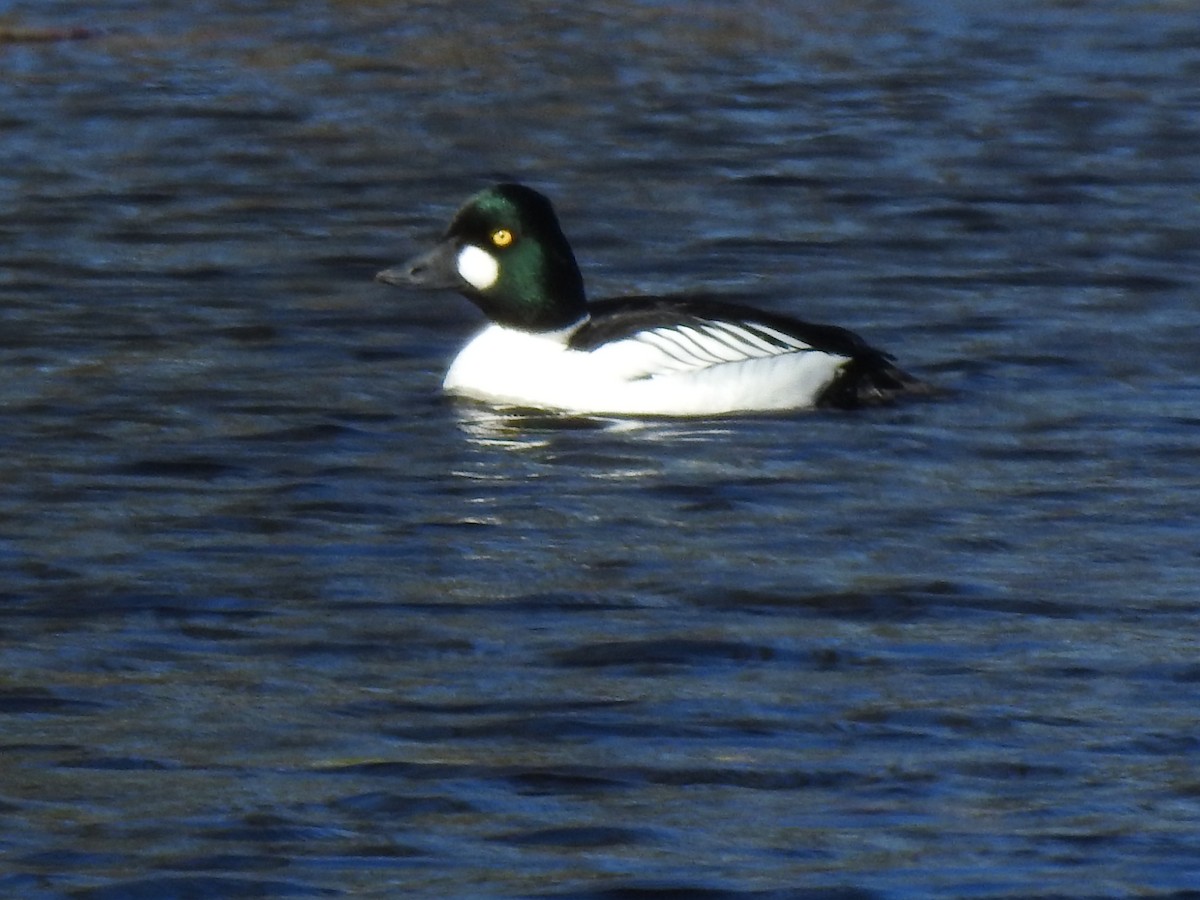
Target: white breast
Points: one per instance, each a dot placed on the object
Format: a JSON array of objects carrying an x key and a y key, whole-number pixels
[{"x": 694, "y": 370}]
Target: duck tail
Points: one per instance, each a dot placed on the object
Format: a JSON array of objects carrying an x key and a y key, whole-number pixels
[{"x": 870, "y": 380}]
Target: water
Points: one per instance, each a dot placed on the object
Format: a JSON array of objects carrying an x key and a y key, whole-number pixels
[{"x": 277, "y": 620}]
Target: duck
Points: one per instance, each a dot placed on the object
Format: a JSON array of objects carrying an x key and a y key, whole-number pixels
[{"x": 547, "y": 348}]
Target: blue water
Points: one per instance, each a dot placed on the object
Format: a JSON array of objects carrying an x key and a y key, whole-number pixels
[{"x": 278, "y": 620}]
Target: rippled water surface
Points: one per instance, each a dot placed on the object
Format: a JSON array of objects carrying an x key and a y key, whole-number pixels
[{"x": 277, "y": 620}]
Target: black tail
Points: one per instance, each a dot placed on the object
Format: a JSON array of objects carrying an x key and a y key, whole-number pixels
[{"x": 869, "y": 379}]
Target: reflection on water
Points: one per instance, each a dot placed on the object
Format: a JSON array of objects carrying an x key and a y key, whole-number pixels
[
  {"x": 519, "y": 429},
  {"x": 279, "y": 620},
  {"x": 526, "y": 429}
]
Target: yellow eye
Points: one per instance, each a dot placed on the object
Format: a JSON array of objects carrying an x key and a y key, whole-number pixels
[{"x": 502, "y": 237}]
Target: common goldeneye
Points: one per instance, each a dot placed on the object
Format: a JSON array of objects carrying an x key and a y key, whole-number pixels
[{"x": 548, "y": 348}]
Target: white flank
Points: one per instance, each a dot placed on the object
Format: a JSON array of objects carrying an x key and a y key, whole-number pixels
[
  {"x": 478, "y": 267},
  {"x": 682, "y": 371}
]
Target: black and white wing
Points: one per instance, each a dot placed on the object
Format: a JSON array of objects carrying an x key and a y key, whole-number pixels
[{"x": 663, "y": 336}]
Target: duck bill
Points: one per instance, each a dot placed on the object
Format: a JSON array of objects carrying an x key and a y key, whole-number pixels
[{"x": 436, "y": 269}]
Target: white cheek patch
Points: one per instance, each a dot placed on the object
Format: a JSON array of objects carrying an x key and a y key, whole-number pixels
[{"x": 478, "y": 267}]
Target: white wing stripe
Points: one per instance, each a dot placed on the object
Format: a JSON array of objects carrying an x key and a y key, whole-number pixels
[
  {"x": 706, "y": 347},
  {"x": 690, "y": 347},
  {"x": 716, "y": 344},
  {"x": 744, "y": 342},
  {"x": 784, "y": 339},
  {"x": 676, "y": 357},
  {"x": 683, "y": 346}
]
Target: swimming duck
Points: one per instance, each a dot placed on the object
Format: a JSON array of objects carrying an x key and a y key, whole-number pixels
[{"x": 547, "y": 347}]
